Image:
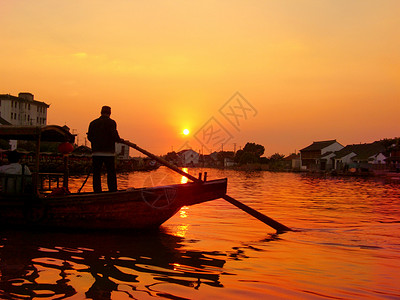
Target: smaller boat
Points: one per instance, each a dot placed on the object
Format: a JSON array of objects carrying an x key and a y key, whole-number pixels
[{"x": 142, "y": 208}]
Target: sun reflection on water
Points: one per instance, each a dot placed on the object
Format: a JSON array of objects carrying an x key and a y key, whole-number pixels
[
  {"x": 184, "y": 179},
  {"x": 183, "y": 213},
  {"x": 181, "y": 230},
  {"x": 176, "y": 266}
]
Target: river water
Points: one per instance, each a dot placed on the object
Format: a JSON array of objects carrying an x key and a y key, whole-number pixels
[{"x": 345, "y": 245}]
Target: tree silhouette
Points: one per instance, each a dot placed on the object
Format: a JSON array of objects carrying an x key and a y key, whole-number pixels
[{"x": 251, "y": 153}]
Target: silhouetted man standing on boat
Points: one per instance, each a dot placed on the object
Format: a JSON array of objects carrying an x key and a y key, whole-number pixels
[{"x": 103, "y": 135}]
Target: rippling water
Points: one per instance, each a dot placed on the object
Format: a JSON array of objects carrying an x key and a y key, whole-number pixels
[{"x": 345, "y": 245}]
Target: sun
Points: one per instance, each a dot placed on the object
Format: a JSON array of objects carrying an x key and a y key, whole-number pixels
[{"x": 186, "y": 131}]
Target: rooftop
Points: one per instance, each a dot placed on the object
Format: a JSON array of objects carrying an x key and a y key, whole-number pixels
[
  {"x": 362, "y": 151},
  {"x": 315, "y": 146},
  {"x": 22, "y": 97}
]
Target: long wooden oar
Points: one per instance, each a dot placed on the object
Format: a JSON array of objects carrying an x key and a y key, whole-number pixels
[{"x": 263, "y": 218}]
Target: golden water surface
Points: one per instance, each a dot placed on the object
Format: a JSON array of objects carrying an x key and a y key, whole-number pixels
[{"x": 345, "y": 245}]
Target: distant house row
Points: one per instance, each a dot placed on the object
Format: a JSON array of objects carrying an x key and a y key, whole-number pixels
[
  {"x": 191, "y": 158},
  {"x": 319, "y": 156},
  {"x": 331, "y": 155}
]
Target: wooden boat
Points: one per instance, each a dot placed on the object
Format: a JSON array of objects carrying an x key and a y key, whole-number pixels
[
  {"x": 124, "y": 209},
  {"x": 135, "y": 208}
]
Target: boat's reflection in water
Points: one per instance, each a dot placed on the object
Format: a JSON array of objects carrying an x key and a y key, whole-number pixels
[{"x": 96, "y": 265}]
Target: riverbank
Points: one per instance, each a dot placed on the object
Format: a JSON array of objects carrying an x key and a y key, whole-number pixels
[{"x": 379, "y": 174}]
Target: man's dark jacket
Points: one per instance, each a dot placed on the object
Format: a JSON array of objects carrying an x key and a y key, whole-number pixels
[{"x": 103, "y": 134}]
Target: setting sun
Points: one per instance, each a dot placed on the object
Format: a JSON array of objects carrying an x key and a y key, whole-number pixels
[{"x": 186, "y": 131}]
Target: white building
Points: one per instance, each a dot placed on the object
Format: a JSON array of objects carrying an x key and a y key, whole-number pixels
[
  {"x": 360, "y": 154},
  {"x": 23, "y": 110},
  {"x": 319, "y": 155},
  {"x": 122, "y": 151},
  {"x": 189, "y": 157}
]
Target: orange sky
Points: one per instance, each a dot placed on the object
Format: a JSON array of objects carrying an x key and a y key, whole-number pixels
[{"x": 311, "y": 70}]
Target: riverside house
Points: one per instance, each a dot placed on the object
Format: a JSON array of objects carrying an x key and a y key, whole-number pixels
[
  {"x": 361, "y": 156},
  {"x": 319, "y": 155},
  {"x": 393, "y": 161},
  {"x": 292, "y": 162}
]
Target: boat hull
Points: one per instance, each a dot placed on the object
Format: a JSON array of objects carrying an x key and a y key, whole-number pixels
[{"x": 143, "y": 208}]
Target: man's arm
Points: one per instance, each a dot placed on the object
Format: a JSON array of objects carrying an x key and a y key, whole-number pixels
[
  {"x": 90, "y": 132},
  {"x": 117, "y": 138}
]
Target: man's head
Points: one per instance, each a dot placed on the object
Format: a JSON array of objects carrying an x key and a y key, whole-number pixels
[
  {"x": 14, "y": 156},
  {"x": 106, "y": 111}
]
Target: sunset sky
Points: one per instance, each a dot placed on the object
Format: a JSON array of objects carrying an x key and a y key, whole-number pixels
[{"x": 303, "y": 71}]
